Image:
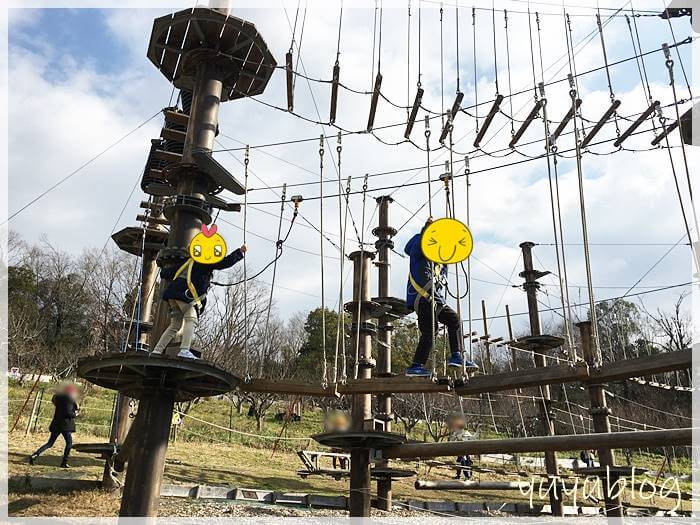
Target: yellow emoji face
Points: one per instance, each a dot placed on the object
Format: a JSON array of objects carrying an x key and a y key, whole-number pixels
[
  {"x": 208, "y": 247},
  {"x": 446, "y": 241}
]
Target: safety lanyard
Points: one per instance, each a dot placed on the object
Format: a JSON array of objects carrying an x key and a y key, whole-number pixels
[{"x": 188, "y": 266}]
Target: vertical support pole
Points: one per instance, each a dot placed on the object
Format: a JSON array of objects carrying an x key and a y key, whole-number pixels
[
  {"x": 600, "y": 415},
  {"x": 146, "y": 454},
  {"x": 38, "y": 410},
  {"x": 121, "y": 422},
  {"x": 486, "y": 337},
  {"x": 360, "y": 481},
  {"x": 145, "y": 473},
  {"x": 32, "y": 416},
  {"x": 385, "y": 328},
  {"x": 531, "y": 287}
]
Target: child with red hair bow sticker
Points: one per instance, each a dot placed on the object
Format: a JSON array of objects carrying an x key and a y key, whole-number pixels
[{"x": 186, "y": 293}]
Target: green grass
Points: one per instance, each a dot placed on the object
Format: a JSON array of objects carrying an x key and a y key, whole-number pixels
[{"x": 209, "y": 455}]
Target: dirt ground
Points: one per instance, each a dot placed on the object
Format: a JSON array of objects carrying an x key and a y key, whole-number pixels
[{"x": 216, "y": 464}]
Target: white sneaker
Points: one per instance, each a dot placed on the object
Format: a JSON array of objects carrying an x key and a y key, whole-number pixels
[{"x": 187, "y": 354}]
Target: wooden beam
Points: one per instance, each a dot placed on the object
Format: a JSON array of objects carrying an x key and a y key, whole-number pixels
[
  {"x": 634, "y": 439},
  {"x": 291, "y": 387},
  {"x": 642, "y": 366},
  {"x": 455, "y": 484},
  {"x": 397, "y": 384},
  {"x": 524, "y": 378}
]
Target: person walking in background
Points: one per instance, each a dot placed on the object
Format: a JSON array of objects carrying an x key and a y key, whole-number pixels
[
  {"x": 63, "y": 422},
  {"x": 458, "y": 432}
]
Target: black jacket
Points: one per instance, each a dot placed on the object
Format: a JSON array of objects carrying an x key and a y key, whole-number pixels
[
  {"x": 201, "y": 278},
  {"x": 64, "y": 414}
]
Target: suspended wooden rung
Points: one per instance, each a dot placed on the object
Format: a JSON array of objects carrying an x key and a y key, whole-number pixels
[
  {"x": 489, "y": 118},
  {"x": 599, "y": 125},
  {"x": 641, "y": 118},
  {"x": 451, "y": 116},
  {"x": 565, "y": 121},
  {"x": 290, "y": 81},
  {"x": 414, "y": 113},
  {"x": 375, "y": 100},
  {"x": 526, "y": 123},
  {"x": 334, "y": 91}
]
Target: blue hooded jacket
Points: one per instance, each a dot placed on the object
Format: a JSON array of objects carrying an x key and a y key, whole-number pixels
[
  {"x": 421, "y": 269},
  {"x": 201, "y": 278}
]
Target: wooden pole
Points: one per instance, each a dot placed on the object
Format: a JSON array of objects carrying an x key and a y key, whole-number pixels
[
  {"x": 38, "y": 409},
  {"x": 487, "y": 345},
  {"x": 33, "y": 414},
  {"x": 146, "y": 458},
  {"x": 24, "y": 405},
  {"x": 631, "y": 439},
  {"x": 385, "y": 328},
  {"x": 531, "y": 287},
  {"x": 599, "y": 414},
  {"x": 360, "y": 481}
]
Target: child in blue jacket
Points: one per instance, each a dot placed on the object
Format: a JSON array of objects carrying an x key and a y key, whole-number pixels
[{"x": 426, "y": 296}]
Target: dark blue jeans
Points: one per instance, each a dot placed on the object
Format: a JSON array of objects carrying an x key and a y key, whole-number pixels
[{"x": 67, "y": 437}]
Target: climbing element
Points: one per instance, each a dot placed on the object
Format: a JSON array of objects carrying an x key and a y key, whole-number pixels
[
  {"x": 324, "y": 376},
  {"x": 278, "y": 244},
  {"x": 340, "y": 328},
  {"x": 427, "y": 150},
  {"x": 246, "y": 161}
]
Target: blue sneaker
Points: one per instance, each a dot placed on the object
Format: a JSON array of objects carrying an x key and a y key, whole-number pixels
[
  {"x": 417, "y": 371},
  {"x": 457, "y": 361}
]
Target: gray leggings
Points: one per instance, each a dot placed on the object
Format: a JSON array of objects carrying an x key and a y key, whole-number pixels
[{"x": 183, "y": 323}]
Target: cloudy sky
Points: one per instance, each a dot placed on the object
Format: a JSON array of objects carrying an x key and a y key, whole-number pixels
[{"x": 80, "y": 80}]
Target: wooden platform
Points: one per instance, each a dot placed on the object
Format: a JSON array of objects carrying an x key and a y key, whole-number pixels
[
  {"x": 180, "y": 40},
  {"x": 391, "y": 473},
  {"x": 350, "y": 440},
  {"x": 138, "y": 374},
  {"x": 104, "y": 450}
]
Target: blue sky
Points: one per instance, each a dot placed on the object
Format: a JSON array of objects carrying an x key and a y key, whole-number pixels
[{"x": 85, "y": 75}]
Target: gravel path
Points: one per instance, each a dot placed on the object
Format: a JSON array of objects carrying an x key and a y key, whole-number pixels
[{"x": 181, "y": 507}]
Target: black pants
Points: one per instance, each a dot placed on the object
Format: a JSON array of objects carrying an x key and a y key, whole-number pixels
[
  {"x": 464, "y": 461},
  {"x": 443, "y": 314},
  {"x": 67, "y": 437}
]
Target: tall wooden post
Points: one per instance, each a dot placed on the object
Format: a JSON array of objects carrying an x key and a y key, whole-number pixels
[
  {"x": 384, "y": 245},
  {"x": 531, "y": 287},
  {"x": 33, "y": 414},
  {"x": 360, "y": 481},
  {"x": 152, "y": 425},
  {"x": 600, "y": 414},
  {"x": 121, "y": 419}
]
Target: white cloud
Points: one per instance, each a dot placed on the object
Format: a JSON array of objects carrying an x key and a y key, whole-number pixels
[{"x": 630, "y": 197}]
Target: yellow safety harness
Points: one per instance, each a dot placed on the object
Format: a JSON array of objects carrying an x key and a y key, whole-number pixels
[
  {"x": 188, "y": 266},
  {"x": 425, "y": 294}
]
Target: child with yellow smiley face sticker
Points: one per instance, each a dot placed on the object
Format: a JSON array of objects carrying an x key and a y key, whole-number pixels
[
  {"x": 446, "y": 241},
  {"x": 441, "y": 242},
  {"x": 186, "y": 294}
]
